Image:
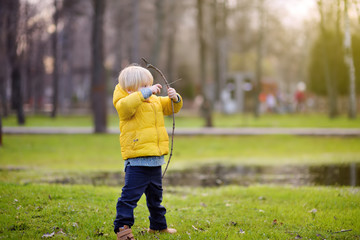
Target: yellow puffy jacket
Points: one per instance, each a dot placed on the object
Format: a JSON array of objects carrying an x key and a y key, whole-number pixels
[{"x": 142, "y": 129}]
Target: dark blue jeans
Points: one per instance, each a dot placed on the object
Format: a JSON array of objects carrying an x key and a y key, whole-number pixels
[{"x": 139, "y": 180}]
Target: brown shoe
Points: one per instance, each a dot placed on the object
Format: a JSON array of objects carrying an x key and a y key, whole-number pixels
[
  {"x": 167, "y": 230},
  {"x": 125, "y": 233}
]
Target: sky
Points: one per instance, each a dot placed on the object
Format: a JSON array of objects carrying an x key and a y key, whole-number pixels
[{"x": 298, "y": 10}]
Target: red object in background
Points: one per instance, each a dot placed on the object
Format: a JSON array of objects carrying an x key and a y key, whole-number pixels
[
  {"x": 300, "y": 96},
  {"x": 262, "y": 97}
]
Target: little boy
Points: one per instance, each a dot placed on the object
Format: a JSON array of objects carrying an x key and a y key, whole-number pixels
[{"x": 144, "y": 142}]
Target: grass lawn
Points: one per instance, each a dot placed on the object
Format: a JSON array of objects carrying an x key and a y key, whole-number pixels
[
  {"x": 256, "y": 212},
  {"x": 28, "y": 211},
  {"x": 185, "y": 119},
  {"x": 102, "y": 152}
]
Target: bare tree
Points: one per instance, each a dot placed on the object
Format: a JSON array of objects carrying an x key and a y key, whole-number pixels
[
  {"x": 206, "y": 104},
  {"x": 160, "y": 16},
  {"x": 56, "y": 69},
  {"x": 3, "y": 62},
  {"x": 216, "y": 48},
  {"x": 98, "y": 86},
  {"x": 3, "y": 57},
  {"x": 118, "y": 15},
  {"x": 172, "y": 17},
  {"x": 15, "y": 60},
  {"x": 35, "y": 51},
  {"x": 135, "y": 42},
  {"x": 331, "y": 91},
  {"x": 66, "y": 61},
  {"x": 220, "y": 15},
  {"x": 259, "y": 53},
  {"x": 350, "y": 62}
]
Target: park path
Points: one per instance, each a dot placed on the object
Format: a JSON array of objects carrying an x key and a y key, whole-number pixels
[{"x": 196, "y": 131}]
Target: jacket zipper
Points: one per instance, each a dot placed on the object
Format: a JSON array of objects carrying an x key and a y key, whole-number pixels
[{"x": 157, "y": 130}]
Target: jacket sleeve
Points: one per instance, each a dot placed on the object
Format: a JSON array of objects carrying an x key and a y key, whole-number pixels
[
  {"x": 126, "y": 106},
  {"x": 166, "y": 105}
]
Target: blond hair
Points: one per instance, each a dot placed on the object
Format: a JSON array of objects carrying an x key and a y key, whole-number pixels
[{"x": 134, "y": 77}]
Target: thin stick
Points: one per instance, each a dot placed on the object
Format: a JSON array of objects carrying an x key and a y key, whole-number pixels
[
  {"x": 344, "y": 230},
  {"x": 175, "y": 81},
  {"x": 148, "y": 65}
]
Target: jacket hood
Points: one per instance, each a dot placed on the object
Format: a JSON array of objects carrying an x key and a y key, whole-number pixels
[{"x": 119, "y": 93}]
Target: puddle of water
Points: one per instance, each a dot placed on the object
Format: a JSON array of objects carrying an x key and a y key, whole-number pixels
[
  {"x": 95, "y": 178},
  {"x": 218, "y": 175},
  {"x": 348, "y": 175},
  {"x": 329, "y": 175}
]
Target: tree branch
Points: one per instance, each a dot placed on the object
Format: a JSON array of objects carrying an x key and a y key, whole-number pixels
[{"x": 148, "y": 65}]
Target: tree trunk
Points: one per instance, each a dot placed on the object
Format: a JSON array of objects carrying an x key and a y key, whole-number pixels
[
  {"x": 14, "y": 60},
  {"x": 259, "y": 53},
  {"x": 350, "y": 62},
  {"x": 27, "y": 78},
  {"x": 331, "y": 91},
  {"x": 223, "y": 51},
  {"x": 98, "y": 86},
  {"x": 135, "y": 41},
  {"x": 219, "y": 45},
  {"x": 206, "y": 105},
  {"x": 39, "y": 81},
  {"x": 159, "y": 4},
  {"x": 16, "y": 93},
  {"x": 66, "y": 48},
  {"x": 3, "y": 58},
  {"x": 216, "y": 49},
  {"x": 171, "y": 40},
  {"x": 119, "y": 23},
  {"x": 55, "y": 85}
]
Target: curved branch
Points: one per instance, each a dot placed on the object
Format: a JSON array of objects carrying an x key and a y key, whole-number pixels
[{"x": 148, "y": 65}]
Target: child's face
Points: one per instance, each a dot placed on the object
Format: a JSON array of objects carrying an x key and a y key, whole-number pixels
[{"x": 145, "y": 85}]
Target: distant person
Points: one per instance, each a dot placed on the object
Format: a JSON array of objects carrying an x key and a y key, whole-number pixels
[
  {"x": 144, "y": 142},
  {"x": 262, "y": 101},
  {"x": 271, "y": 102},
  {"x": 300, "y": 97},
  {"x": 300, "y": 100}
]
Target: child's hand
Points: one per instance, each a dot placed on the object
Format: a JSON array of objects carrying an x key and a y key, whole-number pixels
[
  {"x": 172, "y": 94},
  {"x": 155, "y": 89}
]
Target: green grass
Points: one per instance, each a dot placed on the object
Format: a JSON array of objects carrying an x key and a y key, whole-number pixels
[
  {"x": 47, "y": 121},
  {"x": 185, "y": 119},
  {"x": 46, "y": 158},
  {"x": 270, "y": 120},
  {"x": 102, "y": 152},
  {"x": 86, "y": 212},
  {"x": 28, "y": 211}
]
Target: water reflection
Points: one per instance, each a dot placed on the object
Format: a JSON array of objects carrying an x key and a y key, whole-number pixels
[
  {"x": 328, "y": 175},
  {"x": 219, "y": 175},
  {"x": 336, "y": 175}
]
